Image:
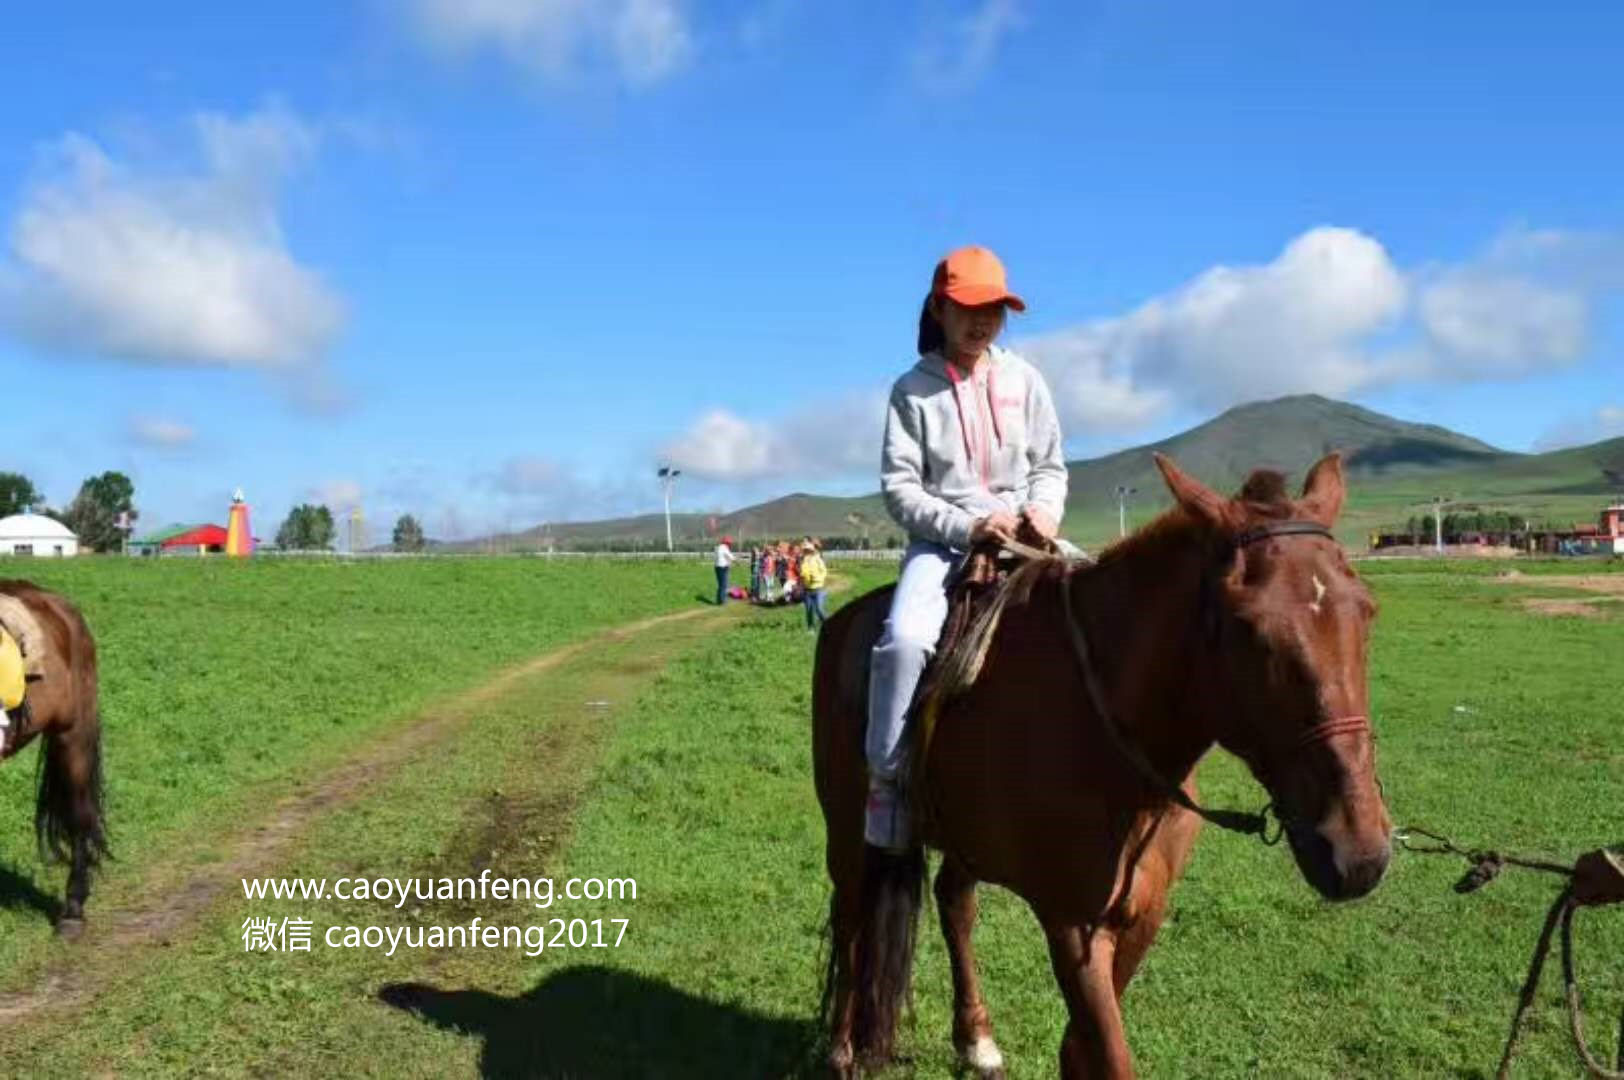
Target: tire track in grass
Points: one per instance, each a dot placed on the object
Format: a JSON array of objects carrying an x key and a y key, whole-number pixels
[{"x": 179, "y": 893}]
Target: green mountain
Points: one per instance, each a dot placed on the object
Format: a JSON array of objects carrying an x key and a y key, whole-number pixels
[
  {"x": 1394, "y": 467},
  {"x": 1288, "y": 434}
]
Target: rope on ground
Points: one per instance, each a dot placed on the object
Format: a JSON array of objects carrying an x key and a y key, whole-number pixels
[{"x": 1596, "y": 879}]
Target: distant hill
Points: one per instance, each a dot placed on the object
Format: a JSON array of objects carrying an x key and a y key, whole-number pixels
[
  {"x": 1393, "y": 467},
  {"x": 1288, "y": 434}
]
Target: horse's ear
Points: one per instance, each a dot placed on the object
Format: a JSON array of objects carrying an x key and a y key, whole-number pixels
[
  {"x": 1325, "y": 489},
  {"x": 1198, "y": 499}
]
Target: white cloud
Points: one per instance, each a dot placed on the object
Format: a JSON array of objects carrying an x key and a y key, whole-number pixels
[
  {"x": 1333, "y": 314},
  {"x": 1233, "y": 334},
  {"x": 954, "y": 54},
  {"x": 834, "y": 437},
  {"x": 186, "y": 267},
  {"x": 339, "y": 496},
  {"x": 724, "y": 446},
  {"x": 644, "y": 41},
  {"x": 161, "y": 434},
  {"x": 1481, "y": 323},
  {"x": 1092, "y": 390},
  {"x": 1606, "y": 422}
]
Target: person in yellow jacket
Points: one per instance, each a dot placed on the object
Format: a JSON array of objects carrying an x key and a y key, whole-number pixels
[
  {"x": 814, "y": 577},
  {"x": 13, "y": 683}
]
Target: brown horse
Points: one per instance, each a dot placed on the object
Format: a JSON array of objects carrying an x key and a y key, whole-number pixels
[
  {"x": 62, "y": 706},
  {"x": 1063, "y": 770}
]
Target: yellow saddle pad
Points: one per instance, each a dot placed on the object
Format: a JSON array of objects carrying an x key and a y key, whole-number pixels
[{"x": 12, "y": 682}]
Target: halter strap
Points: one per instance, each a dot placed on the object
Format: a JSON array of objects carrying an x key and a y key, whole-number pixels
[{"x": 1282, "y": 528}]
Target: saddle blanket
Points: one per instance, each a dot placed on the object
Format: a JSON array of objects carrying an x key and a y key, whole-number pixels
[{"x": 18, "y": 621}]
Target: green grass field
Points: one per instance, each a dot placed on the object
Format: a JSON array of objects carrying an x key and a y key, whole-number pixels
[
  {"x": 679, "y": 757},
  {"x": 224, "y": 684}
]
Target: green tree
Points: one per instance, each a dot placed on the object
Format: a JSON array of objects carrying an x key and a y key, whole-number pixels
[
  {"x": 306, "y": 528},
  {"x": 408, "y": 534},
  {"x": 17, "y": 494},
  {"x": 93, "y": 514}
]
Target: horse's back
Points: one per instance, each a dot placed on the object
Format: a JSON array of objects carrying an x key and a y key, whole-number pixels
[
  {"x": 67, "y": 695},
  {"x": 58, "y": 618}
]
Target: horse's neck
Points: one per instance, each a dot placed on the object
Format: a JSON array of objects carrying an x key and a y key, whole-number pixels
[{"x": 1141, "y": 612}]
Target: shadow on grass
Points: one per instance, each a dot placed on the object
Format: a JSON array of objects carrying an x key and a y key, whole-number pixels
[
  {"x": 596, "y": 1021},
  {"x": 17, "y": 891}
]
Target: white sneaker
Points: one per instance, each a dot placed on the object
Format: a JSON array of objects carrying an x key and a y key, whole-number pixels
[{"x": 885, "y": 818}]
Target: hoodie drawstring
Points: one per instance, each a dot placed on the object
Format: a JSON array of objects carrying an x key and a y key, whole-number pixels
[
  {"x": 984, "y": 464},
  {"x": 992, "y": 403},
  {"x": 958, "y": 403}
]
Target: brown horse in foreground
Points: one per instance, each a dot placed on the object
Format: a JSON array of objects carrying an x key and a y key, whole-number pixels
[
  {"x": 62, "y": 706},
  {"x": 1230, "y": 621}
]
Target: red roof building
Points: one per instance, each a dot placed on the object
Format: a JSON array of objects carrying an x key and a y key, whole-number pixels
[{"x": 202, "y": 537}]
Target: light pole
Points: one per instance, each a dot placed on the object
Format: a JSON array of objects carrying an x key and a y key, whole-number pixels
[
  {"x": 1122, "y": 493},
  {"x": 1438, "y": 504},
  {"x": 668, "y": 478}
]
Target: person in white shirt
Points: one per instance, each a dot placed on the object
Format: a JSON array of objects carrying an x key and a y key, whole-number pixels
[{"x": 724, "y": 562}]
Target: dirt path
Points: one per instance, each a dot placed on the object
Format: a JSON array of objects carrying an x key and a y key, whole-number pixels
[
  {"x": 176, "y": 894},
  {"x": 1606, "y": 584}
]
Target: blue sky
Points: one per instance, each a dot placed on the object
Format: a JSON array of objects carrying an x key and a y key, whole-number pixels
[{"x": 491, "y": 261}]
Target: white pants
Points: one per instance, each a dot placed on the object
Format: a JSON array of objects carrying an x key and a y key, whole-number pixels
[{"x": 918, "y": 610}]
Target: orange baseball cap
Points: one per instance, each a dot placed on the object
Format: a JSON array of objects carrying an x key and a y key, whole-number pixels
[{"x": 973, "y": 276}]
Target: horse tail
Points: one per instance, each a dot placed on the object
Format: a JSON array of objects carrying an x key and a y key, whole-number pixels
[
  {"x": 69, "y": 801},
  {"x": 68, "y": 808},
  {"x": 892, "y": 893}
]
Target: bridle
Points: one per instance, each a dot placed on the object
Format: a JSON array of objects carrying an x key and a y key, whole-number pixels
[{"x": 1241, "y": 821}]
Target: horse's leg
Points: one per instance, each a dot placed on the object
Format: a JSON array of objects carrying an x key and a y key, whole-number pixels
[
  {"x": 1152, "y": 883},
  {"x": 972, "y": 1028},
  {"x": 1132, "y": 944},
  {"x": 1094, "y": 1046},
  {"x": 845, "y": 918},
  {"x": 70, "y": 809}
]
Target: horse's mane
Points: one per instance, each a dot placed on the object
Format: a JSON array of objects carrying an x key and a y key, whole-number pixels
[{"x": 960, "y": 662}]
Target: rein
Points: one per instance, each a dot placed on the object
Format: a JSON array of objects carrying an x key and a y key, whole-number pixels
[{"x": 1240, "y": 821}]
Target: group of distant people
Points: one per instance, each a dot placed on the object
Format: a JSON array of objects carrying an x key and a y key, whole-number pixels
[{"x": 780, "y": 573}]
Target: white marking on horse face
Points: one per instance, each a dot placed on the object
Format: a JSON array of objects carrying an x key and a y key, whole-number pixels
[
  {"x": 1319, "y": 594},
  {"x": 984, "y": 1055}
]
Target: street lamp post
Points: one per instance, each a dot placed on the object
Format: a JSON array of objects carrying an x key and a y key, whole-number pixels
[
  {"x": 668, "y": 478},
  {"x": 1122, "y": 493},
  {"x": 1438, "y": 504}
]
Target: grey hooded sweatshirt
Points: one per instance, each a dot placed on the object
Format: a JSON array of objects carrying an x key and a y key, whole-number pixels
[{"x": 959, "y": 447}]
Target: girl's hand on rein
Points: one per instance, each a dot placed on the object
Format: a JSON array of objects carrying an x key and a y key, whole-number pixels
[
  {"x": 1000, "y": 526},
  {"x": 1040, "y": 522}
]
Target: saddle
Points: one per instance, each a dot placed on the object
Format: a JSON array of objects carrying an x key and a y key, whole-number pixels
[
  {"x": 19, "y": 622},
  {"x": 22, "y": 652},
  {"x": 978, "y": 579}
]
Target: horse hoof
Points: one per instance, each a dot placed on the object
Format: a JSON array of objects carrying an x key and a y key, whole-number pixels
[
  {"x": 69, "y": 929},
  {"x": 985, "y": 1058}
]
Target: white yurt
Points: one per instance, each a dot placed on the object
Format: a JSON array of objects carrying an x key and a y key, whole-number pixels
[{"x": 36, "y": 534}]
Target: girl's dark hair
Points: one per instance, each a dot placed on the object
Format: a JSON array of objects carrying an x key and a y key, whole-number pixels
[{"x": 931, "y": 337}]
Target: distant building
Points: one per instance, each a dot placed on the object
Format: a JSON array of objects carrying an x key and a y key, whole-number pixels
[
  {"x": 36, "y": 534},
  {"x": 1612, "y": 525},
  {"x": 181, "y": 540},
  {"x": 1579, "y": 538}
]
